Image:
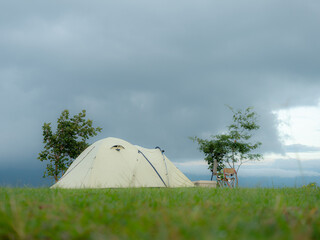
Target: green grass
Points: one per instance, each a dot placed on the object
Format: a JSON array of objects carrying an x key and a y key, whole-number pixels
[{"x": 185, "y": 213}]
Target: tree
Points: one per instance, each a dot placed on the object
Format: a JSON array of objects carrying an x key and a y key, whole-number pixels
[
  {"x": 232, "y": 148},
  {"x": 69, "y": 140},
  {"x": 214, "y": 150}
]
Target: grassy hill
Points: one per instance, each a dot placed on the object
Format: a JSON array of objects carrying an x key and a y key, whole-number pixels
[{"x": 184, "y": 213}]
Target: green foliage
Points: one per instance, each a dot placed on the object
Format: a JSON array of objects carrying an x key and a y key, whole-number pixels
[
  {"x": 215, "y": 148},
  {"x": 232, "y": 147},
  {"x": 153, "y": 213},
  {"x": 69, "y": 140}
]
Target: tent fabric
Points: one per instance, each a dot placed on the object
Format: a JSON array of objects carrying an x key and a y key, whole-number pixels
[{"x": 115, "y": 163}]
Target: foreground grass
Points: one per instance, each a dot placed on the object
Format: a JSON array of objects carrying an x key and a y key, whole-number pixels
[{"x": 186, "y": 213}]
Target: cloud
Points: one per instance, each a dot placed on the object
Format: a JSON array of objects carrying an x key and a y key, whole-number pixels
[
  {"x": 296, "y": 148},
  {"x": 195, "y": 167},
  {"x": 299, "y": 125},
  {"x": 154, "y": 73},
  {"x": 285, "y": 168}
]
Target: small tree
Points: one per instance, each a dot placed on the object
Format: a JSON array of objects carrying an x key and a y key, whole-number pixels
[
  {"x": 69, "y": 140},
  {"x": 239, "y": 133},
  {"x": 232, "y": 147}
]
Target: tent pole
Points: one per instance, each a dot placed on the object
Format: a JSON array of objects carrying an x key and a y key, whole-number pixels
[
  {"x": 164, "y": 160},
  {"x": 152, "y": 167}
]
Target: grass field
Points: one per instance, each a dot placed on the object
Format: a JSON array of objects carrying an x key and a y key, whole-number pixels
[{"x": 185, "y": 213}]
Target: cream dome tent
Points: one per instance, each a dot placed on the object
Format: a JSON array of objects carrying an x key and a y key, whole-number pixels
[{"x": 115, "y": 163}]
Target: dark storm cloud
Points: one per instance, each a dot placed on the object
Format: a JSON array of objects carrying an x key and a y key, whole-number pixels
[{"x": 154, "y": 73}]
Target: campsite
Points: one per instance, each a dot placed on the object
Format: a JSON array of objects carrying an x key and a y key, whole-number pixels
[
  {"x": 117, "y": 190},
  {"x": 160, "y": 119}
]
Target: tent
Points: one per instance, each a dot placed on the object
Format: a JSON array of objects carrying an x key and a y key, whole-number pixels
[{"x": 115, "y": 163}]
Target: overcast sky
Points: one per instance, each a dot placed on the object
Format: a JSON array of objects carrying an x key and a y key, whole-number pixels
[{"x": 156, "y": 72}]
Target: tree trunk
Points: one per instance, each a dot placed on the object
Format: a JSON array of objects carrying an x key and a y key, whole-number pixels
[
  {"x": 214, "y": 168},
  {"x": 233, "y": 159},
  {"x": 56, "y": 169}
]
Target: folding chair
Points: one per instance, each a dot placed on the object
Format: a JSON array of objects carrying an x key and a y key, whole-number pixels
[{"x": 228, "y": 179}]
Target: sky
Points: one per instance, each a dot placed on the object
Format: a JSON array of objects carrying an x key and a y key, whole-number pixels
[{"x": 157, "y": 72}]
